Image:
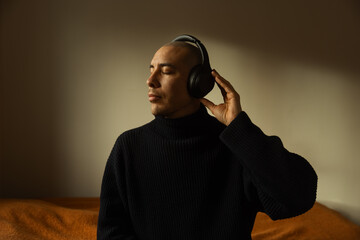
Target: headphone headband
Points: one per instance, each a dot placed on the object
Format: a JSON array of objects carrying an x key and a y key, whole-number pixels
[{"x": 200, "y": 46}]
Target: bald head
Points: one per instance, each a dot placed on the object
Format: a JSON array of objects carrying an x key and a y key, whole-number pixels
[{"x": 193, "y": 55}]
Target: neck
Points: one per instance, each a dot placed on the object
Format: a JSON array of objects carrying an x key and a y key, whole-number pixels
[
  {"x": 189, "y": 109},
  {"x": 188, "y": 126}
]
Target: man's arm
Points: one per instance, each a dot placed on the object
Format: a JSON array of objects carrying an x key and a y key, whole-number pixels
[
  {"x": 114, "y": 220},
  {"x": 285, "y": 182}
]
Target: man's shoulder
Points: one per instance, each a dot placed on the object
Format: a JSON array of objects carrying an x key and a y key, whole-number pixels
[{"x": 135, "y": 132}]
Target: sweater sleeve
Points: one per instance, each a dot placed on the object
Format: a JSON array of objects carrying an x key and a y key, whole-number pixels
[
  {"x": 114, "y": 220},
  {"x": 285, "y": 182}
]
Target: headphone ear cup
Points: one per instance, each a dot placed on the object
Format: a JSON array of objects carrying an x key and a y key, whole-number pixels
[
  {"x": 200, "y": 81},
  {"x": 194, "y": 80},
  {"x": 206, "y": 83}
]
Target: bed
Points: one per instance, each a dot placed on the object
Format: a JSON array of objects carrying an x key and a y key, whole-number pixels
[{"x": 76, "y": 219}]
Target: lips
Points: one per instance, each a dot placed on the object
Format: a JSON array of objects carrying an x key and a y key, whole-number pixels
[{"x": 153, "y": 97}]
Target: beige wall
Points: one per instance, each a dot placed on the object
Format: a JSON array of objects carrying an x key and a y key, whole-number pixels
[{"x": 73, "y": 78}]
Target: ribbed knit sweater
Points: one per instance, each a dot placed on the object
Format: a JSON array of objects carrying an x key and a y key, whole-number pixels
[{"x": 193, "y": 178}]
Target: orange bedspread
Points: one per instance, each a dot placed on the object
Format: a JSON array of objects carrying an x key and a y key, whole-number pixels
[
  {"x": 76, "y": 218},
  {"x": 60, "y": 219}
]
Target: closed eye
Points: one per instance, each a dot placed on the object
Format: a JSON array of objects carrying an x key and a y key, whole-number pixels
[
  {"x": 166, "y": 68},
  {"x": 167, "y": 72}
]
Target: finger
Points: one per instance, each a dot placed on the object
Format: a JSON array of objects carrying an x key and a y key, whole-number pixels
[
  {"x": 223, "y": 92},
  {"x": 217, "y": 75},
  {"x": 226, "y": 85},
  {"x": 207, "y": 103}
]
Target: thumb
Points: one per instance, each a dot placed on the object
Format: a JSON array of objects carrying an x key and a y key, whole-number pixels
[{"x": 207, "y": 103}]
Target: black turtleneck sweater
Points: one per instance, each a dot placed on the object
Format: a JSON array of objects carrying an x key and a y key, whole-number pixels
[{"x": 194, "y": 178}]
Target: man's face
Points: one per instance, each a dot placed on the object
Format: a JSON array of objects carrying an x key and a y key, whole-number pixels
[{"x": 169, "y": 71}]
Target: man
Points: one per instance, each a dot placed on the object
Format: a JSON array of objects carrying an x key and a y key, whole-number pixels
[{"x": 187, "y": 175}]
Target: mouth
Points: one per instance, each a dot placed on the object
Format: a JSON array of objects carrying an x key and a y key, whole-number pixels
[{"x": 153, "y": 97}]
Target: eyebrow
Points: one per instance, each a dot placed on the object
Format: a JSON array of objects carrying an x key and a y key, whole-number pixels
[{"x": 163, "y": 65}]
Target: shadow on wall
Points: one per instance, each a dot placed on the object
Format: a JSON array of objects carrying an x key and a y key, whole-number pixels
[
  {"x": 28, "y": 138},
  {"x": 324, "y": 33}
]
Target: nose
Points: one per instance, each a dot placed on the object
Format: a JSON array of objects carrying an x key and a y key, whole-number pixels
[{"x": 153, "y": 81}]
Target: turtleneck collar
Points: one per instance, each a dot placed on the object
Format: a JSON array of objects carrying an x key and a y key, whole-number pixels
[{"x": 193, "y": 125}]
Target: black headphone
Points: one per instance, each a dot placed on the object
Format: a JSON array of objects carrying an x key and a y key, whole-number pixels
[{"x": 200, "y": 81}]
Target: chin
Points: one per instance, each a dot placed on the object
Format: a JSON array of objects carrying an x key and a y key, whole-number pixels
[{"x": 157, "y": 111}]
